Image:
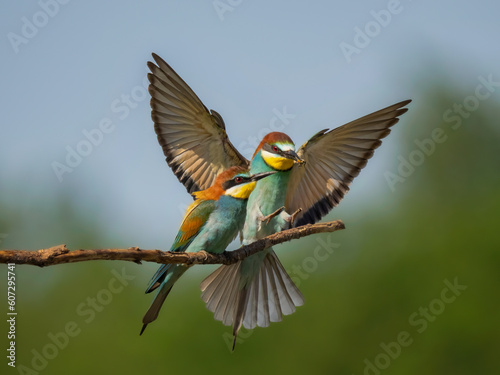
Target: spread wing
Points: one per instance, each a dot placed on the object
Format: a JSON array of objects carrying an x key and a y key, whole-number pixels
[
  {"x": 193, "y": 139},
  {"x": 333, "y": 158}
]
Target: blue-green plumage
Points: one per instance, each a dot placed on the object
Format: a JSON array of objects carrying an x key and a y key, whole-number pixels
[
  {"x": 258, "y": 290},
  {"x": 211, "y": 222},
  {"x": 197, "y": 148},
  {"x": 268, "y": 196}
]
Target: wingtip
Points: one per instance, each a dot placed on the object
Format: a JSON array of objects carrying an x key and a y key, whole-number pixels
[
  {"x": 159, "y": 61},
  {"x": 151, "y": 65},
  {"x": 402, "y": 111},
  {"x": 156, "y": 57}
]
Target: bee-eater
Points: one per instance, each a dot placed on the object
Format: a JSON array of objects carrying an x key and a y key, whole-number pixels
[
  {"x": 260, "y": 291},
  {"x": 197, "y": 148},
  {"x": 211, "y": 222}
]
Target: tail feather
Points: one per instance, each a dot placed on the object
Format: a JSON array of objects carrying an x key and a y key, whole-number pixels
[
  {"x": 262, "y": 304},
  {"x": 230, "y": 293},
  {"x": 155, "y": 307},
  {"x": 275, "y": 312},
  {"x": 214, "y": 277},
  {"x": 221, "y": 285},
  {"x": 256, "y": 301},
  {"x": 168, "y": 276},
  {"x": 290, "y": 297},
  {"x": 159, "y": 277},
  {"x": 238, "y": 310}
]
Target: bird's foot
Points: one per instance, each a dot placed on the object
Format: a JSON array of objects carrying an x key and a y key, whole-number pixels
[
  {"x": 292, "y": 217},
  {"x": 269, "y": 217}
]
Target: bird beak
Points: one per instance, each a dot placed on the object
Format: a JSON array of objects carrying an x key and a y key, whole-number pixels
[
  {"x": 293, "y": 155},
  {"x": 258, "y": 176}
]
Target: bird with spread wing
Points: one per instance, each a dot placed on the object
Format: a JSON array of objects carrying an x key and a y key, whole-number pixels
[{"x": 308, "y": 184}]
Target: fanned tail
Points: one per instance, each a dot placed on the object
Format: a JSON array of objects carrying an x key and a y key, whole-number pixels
[{"x": 251, "y": 300}]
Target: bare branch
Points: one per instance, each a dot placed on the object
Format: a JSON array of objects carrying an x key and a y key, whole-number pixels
[{"x": 61, "y": 254}]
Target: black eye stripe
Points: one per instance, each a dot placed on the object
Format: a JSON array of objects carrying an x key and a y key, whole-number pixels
[
  {"x": 242, "y": 181},
  {"x": 231, "y": 183},
  {"x": 270, "y": 148}
]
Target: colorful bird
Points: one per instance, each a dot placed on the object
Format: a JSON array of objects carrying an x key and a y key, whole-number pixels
[
  {"x": 259, "y": 290},
  {"x": 314, "y": 180},
  {"x": 211, "y": 222}
]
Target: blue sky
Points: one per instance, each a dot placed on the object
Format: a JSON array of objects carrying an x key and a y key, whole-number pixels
[{"x": 249, "y": 60}]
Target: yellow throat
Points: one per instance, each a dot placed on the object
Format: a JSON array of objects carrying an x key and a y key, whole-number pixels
[
  {"x": 277, "y": 162},
  {"x": 241, "y": 191}
]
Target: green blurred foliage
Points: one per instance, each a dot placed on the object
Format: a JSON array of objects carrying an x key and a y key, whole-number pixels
[{"x": 393, "y": 259}]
